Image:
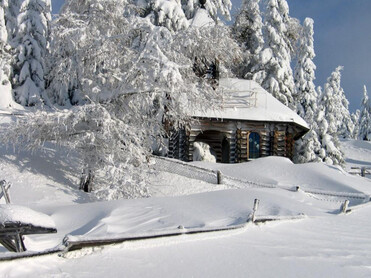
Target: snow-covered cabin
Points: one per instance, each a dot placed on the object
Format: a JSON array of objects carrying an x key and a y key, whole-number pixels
[{"x": 251, "y": 124}]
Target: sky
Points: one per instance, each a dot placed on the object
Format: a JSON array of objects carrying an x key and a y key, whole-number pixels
[{"x": 342, "y": 37}]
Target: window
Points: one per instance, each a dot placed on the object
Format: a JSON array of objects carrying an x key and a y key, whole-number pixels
[{"x": 254, "y": 145}]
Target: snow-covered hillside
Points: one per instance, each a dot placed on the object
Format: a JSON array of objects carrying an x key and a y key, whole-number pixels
[{"x": 310, "y": 237}]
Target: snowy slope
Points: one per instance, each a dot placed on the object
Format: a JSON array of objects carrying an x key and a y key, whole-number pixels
[
  {"x": 281, "y": 172},
  {"x": 336, "y": 246},
  {"x": 322, "y": 244},
  {"x": 357, "y": 153}
]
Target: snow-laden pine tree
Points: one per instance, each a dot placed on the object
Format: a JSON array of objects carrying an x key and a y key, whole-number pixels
[
  {"x": 11, "y": 14},
  {"x": 365, "y": 118},
  {"x": 276, "y": 76},
  {"x": 336, "y": 106},
  {"x": 355, "y": 119},
  {"x": 307, "y": 148},
  {"x": 330, "y": 151},
  {"x": 176, "y": 14},
  {"x": 6, "y": 99},
  {"x": 30, "y": 42},
  {"x": 248, "y": 30},
  {"x": 333, "y": 107},
  {"x": 214, "y": 7},
  {"x": 126, "y": 77}
]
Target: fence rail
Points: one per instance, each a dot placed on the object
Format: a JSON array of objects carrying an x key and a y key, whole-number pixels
[
  {"x": 184, "y": 169},
  {"x": 216, "y": 177},
  {"x": 362, "y": 171}
]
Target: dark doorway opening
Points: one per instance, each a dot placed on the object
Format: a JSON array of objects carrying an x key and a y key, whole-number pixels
[{"x": 225, "y": 151}]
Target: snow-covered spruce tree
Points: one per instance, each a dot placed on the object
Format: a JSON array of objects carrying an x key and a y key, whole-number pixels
[
  {"x": 175, "y": 14},
  {"x": 355, "y": 119},
  {"x": 247, "y": 30},
  {"x": 130, "y": 78},
  {"x": 336, "y": 106},
  {"x": 30, "y": 42},
  {"x": 11, "y": 12},
  {"x": 330, "y": 151},
  {"x": 333, "y": 119},
  {"x": 308, "y": 147},
  {"x": 214, "y": 7},
  {"x": 276, "y": 74},
  {"x": 364, "y": 132},
  {"x": 209, "y": 44},
  {"x": 6, "y": 99}
]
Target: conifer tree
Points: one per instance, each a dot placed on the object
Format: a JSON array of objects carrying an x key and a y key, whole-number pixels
[
  {"x": 6, "y": 99},
  {"x": 30, "y": 41},
  {"x": 276, "y": 76},
  {"x": 247, "y": 29},
  {"x": 355, "y": 119},
  {"x": 365, "y": 118},
  {"x": 307, "y": 148},
  {"x": 336, "y": 107},
  {"x": 175, "y": 14},
  {"x": 334, "y": 118}
]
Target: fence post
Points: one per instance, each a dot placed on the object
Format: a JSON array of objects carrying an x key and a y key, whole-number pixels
[
  {"x": 4, "y": 188},
  {"x": 219, "y": 177},
  {"x": 363, "y": 171},
  {"x": 344, "y": 206},
  {"x": 256, "y": 205}
]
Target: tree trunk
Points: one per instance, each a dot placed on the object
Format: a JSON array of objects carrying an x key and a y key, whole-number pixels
[{"x": 86, "y": 180}]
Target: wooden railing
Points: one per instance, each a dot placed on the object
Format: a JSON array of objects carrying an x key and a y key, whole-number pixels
[{"x": 362, "y": 171}]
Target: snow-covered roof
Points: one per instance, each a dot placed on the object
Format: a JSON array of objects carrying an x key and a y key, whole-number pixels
[
  {"x": 202, "y": 19},
  {"x": 247, "y": 100}
]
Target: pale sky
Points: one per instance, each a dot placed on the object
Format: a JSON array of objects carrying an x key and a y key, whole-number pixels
[{"x": 342, "y": 37}]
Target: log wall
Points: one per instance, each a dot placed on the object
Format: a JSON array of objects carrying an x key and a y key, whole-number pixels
[{"x": 276, "y": 139}]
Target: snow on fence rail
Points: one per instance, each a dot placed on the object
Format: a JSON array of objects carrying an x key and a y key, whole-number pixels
[
  {"x": 195, "y": 172},
  {"x": 339, "y": 194},
  {"x": 184, "y": 169},
  {"x": 240, "y": 183}
]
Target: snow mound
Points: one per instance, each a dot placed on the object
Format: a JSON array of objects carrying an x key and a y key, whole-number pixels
[{"x": 281, "y": 172}]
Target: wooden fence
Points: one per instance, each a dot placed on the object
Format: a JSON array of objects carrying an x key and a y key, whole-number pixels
[{"x": 362, "y": 171}]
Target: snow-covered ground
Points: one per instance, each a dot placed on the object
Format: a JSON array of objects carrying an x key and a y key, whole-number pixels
[
  {"x": 311, "y": 238},
  {"x": 358, "y": 153}
]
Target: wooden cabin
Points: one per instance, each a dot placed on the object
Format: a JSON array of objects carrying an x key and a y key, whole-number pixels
[{"x": 251, "y": 124}]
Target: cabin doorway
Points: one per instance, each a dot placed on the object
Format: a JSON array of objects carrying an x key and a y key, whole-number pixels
[
  {"x": 225, "y": 151},
  {"x": 218, "y": 142}
]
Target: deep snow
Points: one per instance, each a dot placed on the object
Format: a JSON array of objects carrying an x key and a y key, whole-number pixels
[{"x": 317, "y": 242}]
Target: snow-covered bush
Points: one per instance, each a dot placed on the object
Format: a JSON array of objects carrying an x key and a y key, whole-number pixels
[{"x": 202, "y": 152}]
